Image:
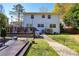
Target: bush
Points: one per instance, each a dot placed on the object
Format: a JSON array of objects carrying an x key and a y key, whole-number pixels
[{"x": 3, "y": 32}]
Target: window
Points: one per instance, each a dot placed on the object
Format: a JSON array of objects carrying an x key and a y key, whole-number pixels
[
  {"x": 32, "y": 16},
  {"x": 30, "y": 29},
  {"x": 43, "y": 16},
  {"x": 49, "y": 16},
  {"x": 40, "y": 25},
  {"x": 29, "y": 25},
  {"x": 52, "y": 25}
]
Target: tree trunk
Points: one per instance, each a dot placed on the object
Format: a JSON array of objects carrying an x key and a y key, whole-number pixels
[
  {"x": 3, "y": 41},
  {"x": 33, "y": 36},
  {"x": 18, "y": 17}
]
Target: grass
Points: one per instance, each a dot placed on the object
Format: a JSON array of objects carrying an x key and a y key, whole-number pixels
[
  {"x": 68, "y": 40},
  {"x": 41, "y": 48}
]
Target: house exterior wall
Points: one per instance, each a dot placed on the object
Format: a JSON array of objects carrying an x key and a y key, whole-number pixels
[{"x": 39, "y": 20}]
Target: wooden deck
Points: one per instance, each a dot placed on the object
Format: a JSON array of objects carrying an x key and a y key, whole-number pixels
[{"x": 14, "y": 49}]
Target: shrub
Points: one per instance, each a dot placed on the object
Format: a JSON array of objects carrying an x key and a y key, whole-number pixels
[{"x": 3, "y": 32}]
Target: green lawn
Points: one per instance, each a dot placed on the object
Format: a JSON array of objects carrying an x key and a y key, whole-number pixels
[
  {"x": 41, "y": 48},
  {"x": 67, "y": 40}
]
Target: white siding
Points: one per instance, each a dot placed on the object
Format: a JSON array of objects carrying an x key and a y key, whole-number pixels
[{"x": 39, "y": 20}]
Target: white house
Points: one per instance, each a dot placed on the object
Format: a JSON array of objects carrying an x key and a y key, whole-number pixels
[{"x": 42, "y": 21}]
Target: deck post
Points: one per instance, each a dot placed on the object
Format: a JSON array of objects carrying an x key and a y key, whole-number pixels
[{"x": 33, "y": 35}]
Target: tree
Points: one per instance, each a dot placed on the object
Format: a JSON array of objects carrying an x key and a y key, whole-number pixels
[
  {"x": 3, "y": 34},
  {"x": 18, "y": 11},
  {"x": 3, "y": 24},
  {"x": 72, "y": 16},
  {"x": 3, "y": 20},
  {"x": 56, "y": 9},
  {"x": 62, "y": 9}
]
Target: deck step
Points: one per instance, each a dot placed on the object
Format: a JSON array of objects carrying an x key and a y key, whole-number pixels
[
  {"x": 14, "y": 49},
  {"x": 3, "y": 47},
  {"x": 20, "y": 51},
  {"x": 25, "y": 49}
]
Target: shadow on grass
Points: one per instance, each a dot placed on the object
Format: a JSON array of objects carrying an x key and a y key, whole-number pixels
[
  {"x": 26, "y": 52},
  {"x": 34, "y": 42},
  {"x": 63, "y": 34}
]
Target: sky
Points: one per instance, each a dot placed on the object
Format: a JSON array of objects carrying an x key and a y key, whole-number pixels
[{"x": 29, "y": 7}]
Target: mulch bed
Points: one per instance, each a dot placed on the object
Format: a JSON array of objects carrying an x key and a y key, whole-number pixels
[{"x": 71, "y": 31}]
